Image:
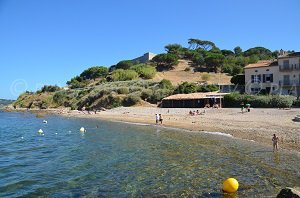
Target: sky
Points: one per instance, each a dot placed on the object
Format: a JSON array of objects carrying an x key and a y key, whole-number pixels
[{"x": 45, "y": 42}]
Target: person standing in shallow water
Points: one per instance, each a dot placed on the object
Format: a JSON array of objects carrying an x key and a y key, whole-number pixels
[{"x": 275, "y": 141}]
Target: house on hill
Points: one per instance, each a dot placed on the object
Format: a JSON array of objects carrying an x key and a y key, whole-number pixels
[
  {"x": 281, "y": 76},
  {"x": 145, "y": 58}
]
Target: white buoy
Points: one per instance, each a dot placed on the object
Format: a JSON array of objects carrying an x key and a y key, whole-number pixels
[
  {"x": 41, "y": 132},
  {"x": 45, "y": 121},
  {"x": 56, "y": 133},
  {"x": 82, "y": 130}
]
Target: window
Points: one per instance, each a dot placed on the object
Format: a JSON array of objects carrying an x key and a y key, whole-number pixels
[
  {"x": 286, "y": 63},
  {"x": 267, "y": 70},
  {"x": 286, "y": 80},
  {"x": 268, "y": 78}
]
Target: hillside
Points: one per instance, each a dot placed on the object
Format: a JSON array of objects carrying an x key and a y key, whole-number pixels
[
  {"x": 147, "y": 82},
  {"x": 180, "y": 74}
]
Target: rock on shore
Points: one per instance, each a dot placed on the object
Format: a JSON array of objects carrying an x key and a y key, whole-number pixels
[{"x": 289, "y": 193}]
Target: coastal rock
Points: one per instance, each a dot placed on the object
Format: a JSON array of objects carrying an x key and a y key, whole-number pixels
[{"x": 289, "y": 193}]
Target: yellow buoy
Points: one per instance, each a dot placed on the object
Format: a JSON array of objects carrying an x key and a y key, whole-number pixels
[
  {"x": 230, "y": 185},
  {"x": 82, "y": 130}
]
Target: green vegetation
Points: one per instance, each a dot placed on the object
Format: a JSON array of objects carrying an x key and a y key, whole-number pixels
[
  {"x": 94, "y": 72},
  {"x": 125, "y": 64},
  {"x": 206, "y": 56},
  {"x": 187, "y": 88},
  {"x": 205, "y": 76},
  {"x": 49, "y": 88},
  {"x": 259, "y": 101},
  {"x": 144, "y": 71},
  {"x": 238, "y": 79},
  {"x": 165, "y": 61},
  {"x": 77, "y": 82},
  {"x": 128, "y": 82},
  {"x": 124, "y": 75}
]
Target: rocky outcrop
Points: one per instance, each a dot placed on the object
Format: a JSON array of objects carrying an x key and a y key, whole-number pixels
[{"x": 289, "y": 193}]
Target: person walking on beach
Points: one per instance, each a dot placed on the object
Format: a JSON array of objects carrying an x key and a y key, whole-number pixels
[
  {"x": 157, "y": 118},
  {"x": 160, "y": 119},
  {"x": 275, "y": 141}
]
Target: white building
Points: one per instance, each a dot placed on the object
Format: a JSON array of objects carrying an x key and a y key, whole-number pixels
[{"x": 280, "y": 76}]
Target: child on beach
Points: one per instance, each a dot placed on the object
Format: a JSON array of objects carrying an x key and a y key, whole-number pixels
[
  {"x": 157, "y": 118},
  {"x": 275, "y": 140}
]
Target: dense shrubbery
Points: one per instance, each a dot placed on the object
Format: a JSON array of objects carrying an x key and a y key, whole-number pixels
[
  {"x": 208, "y": 88},
  {"x": 59, "y": 97},
  {"x": 124, "y": 75},
  {"x": 165, "y": 61},
  {"x": 144, "y": 71},
  {"x": 187, "y": 88},
  {"x": 125, "y": 64},
  {"x": 49, "y": 88},
  {"x": 165, "y": 84},
  {"x": 94, "y": 72},
  {"x": 77, "y": 82},
  {"x": 123, "y": 90},
  {"x": 205, "y": 55},
  {"x": 132, "y": 99},
  {"x": 259, "y": 101},
  {"x": 238, "y": 79}
]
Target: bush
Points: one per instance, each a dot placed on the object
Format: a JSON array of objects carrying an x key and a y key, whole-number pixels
[
  {"x": 205, "y": 76},
  {"x": 280, "y": 101},
  {"x": 59, "y": 97},
  {"x": 145, "y": 71},
  {"x": 94, "y": 72},
  {"x": 77, "y": 82},
  {"x": 146, "y": 94},
  {"x": 124, "y": 75},
  {"x": 165, "y": 61},
  {"x": 159, "y": 94},
  {"x": 187, "y": 69},
  {"x": 238, "y": 79},
  {"x": 125, "y": 64},
  {"x": 132, "y": 99},
  {"x": 165, "y": 84},
  {"x": 49, "y": 88},
  {"x": 123, "y": 90},
  {"x": 186, "y": 88},
  {"x": 208, "y": 88},
  {"x": 259, "y": 101}
]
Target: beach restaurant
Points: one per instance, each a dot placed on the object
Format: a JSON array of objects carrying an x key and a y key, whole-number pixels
[{"x": 194, "y": 100}]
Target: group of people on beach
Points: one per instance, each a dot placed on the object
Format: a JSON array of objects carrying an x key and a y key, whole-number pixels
[
  {"x": 158, "y": 118},
  {"x": 193, "y": 113}
]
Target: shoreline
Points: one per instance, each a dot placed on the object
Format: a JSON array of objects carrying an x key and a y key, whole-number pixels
[{"x": 259, "y": 125}]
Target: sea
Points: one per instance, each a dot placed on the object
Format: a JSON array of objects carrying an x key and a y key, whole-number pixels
[{"x": 114, "y": 159}]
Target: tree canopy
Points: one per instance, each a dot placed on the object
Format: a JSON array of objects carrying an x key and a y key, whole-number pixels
[
  {"x": 94, "y": 72},
  {"x": 165, "y": 61}
]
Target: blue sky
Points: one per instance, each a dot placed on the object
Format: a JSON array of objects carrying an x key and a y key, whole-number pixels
[{"x": 50, "y": 41}]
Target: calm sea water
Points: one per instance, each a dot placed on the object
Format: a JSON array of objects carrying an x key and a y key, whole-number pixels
[{"x": 123, "y": 160}]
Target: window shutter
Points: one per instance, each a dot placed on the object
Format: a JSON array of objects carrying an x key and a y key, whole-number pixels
[
  {"x": 264, "y": 78},
  {"x": 271, "y": 77},
  {"x": 259, "y": 78},
  {"x": 252, "y": 78}
]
